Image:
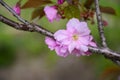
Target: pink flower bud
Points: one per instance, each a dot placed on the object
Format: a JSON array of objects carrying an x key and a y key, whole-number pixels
[
  {"x": 51, "y": 13},
  {"x": 60, "y": 1},
  {"x": 17, "y": 9}
]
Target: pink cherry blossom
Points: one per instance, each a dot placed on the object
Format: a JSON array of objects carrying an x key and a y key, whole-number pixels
[
  {"x": 61, "y": 50},
  {"x": 17, "y": 9},
  {"x": 74, "y": 40},
  {"x": 76, "y": 37},
  {"x": 51, "y": 13}
]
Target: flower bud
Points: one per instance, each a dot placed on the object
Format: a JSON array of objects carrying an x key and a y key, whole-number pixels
[{"x": 17, "y": 9}]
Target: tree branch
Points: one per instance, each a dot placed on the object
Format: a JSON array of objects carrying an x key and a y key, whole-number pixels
[
  {"x": 26, "y": 25},
  {"x": 115, "y": 57},
  {"x": 100, "y": 24},
  {"x": 31, "y": 27}
]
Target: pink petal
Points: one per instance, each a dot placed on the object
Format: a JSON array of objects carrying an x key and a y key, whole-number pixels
[
  {"x": 93, "y": 44},
  {"x": 50, "y": 42},
  {"x": 84, "y": 40},
  {"x": 60, "y": 35},
  {"x": 72, "y": 23},
  {"x": 71, "y": 47},
  {"x": 58, "y": 17},
  {"x": 61, "y": 51},
  {"x": 50, "y": 12},
  {"x": 83, "y": 48},
  {"x": 83, "y": 29},
  {"x": 17, "y": 9},
  {"x": 66, "y": 41},
  {"x": 76, "y": 52},
  {"x": 75, "y": 25}
]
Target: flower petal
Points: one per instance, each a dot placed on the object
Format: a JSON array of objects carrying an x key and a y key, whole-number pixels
[
  {"x": 61, "y": 51},
  {"x": 83, "y": 29},
  {"x": 50, "y": 12},
  {"x": 60, "y": 35},
  {"x": 93, "y": 44},
  {"x": 71, "y": 47},
  {"x": 72, "y": 23},
  {"x": 84, "y": 40},
  {"x": 83, "y": 48},
  {"x": 50, "y": 42}
]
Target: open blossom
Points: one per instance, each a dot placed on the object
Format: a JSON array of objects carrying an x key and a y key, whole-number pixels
[
  {"x": 61, "y": 50},
  {"x": 17, "y": 9},
  {"x": 51, "y": 13},
  {"x": 74, "y": 40}
]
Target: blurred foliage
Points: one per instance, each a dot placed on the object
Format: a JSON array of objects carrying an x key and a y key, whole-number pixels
[
  {"x": 35, "y": 3},
  {"x": 14, "y": 42},
  {"x": 7, "y": 53}
]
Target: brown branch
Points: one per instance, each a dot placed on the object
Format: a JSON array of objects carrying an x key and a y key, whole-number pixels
[
  {"x": 100, "y": 24},
  {"x": 115, "y": 57},
  {"x": 31, "y": 27},
  {"x": 26, "y": 26}
]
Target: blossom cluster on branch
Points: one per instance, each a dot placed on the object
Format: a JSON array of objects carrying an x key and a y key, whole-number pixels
[{"x": 76, "y": 39}]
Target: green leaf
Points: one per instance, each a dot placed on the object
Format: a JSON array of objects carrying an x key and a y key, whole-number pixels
[
  {"x": 38, "y": 13},
  {"x": 35, "y": 3},
  {"x": 72, "y": 11}
]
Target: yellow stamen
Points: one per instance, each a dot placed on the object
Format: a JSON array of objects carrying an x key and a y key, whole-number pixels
[{"x": 75, "y": 37}]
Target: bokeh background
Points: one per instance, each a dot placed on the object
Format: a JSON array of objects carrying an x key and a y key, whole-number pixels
[{"x": 25, "y": 56}]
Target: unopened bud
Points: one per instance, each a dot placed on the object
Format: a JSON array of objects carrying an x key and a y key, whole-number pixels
[{"x": 17, "y": 9}]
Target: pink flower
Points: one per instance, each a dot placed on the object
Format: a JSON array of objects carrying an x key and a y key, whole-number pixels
[
  {"x": 77, "y": 37},
  {"x": 51, "y": 13},
  {"x": 17, "y": 9},
  {"x": 74, "y": 40},
  {"x": 61, "y": 50}
]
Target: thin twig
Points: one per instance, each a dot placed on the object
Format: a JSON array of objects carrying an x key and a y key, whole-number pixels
[{"x": 100, "y": 24}]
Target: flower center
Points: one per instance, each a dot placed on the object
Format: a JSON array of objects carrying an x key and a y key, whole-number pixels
[{"x": 75, "y": 37}]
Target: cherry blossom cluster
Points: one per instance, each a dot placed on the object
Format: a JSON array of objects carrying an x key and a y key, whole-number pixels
[{"x": 74, "y": 40}]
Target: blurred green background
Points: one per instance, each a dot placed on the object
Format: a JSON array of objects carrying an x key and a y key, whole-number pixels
[{"x": 25, "y": 56}]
